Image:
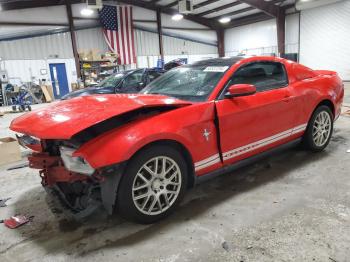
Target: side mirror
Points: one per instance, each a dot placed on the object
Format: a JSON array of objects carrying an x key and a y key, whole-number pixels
[{"x": 240, "y": 90}]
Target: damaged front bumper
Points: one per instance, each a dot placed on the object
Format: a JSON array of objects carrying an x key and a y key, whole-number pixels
[
  {"x": 52, "y": 169},
  {"x": 81, "y": 194}
]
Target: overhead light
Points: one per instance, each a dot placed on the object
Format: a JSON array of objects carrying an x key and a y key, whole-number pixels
[
  {"x": 224, "y": 20},
  {"x": 177, "y": 17},
  {"x": 86, "y": 12}
]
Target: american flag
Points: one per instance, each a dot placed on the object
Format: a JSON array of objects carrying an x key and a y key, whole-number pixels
[{"x": 119, "y": 32}]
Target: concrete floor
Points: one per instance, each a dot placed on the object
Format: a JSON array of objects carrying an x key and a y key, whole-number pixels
[{"x": 294, "y": 206}]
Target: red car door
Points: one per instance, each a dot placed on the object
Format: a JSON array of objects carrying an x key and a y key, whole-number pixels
[{"x": 251, "y": 124}]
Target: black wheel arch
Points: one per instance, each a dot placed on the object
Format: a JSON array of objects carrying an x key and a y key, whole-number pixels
[{"x": 328, "y": 103}]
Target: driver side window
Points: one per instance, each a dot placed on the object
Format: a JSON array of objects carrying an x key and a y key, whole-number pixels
[
  {"x": 263, "y": 75},
  {"x": 133, "y": 81}
]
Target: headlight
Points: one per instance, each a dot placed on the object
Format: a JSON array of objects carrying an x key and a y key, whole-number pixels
[
  {"x": 26, "y": 140},
  {"x": 75, "y": 164},
  {"x": 29, "y": 142}
]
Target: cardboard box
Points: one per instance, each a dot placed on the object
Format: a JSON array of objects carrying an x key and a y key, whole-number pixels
[
  {"x": 85, "y": 56},
  {"x": 50, "y": 90},
  {"x": 95, "y": 54},
  {"x": 74, "y": 86},
  {"x": 9, "y": 150},
  {"x": 48, "y": 93}
]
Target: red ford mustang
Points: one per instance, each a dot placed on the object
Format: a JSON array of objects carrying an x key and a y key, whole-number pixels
[{"x": 138, "y": 153}]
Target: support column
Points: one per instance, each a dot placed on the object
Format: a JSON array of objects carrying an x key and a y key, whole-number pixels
[
  {"x": 160, "y": 34},
  {"x": 220, "y": 33},
  {"x": 72, "y": 34},
  {"x": 281, "y": 29}
]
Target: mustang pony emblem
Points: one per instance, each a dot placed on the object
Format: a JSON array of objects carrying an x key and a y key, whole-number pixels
[{"x": 206, "y": 134}]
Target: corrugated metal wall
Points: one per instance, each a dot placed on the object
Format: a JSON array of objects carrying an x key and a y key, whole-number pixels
[
  {"x": 292, "y": 33},
  {"x": 91, "y": 39},
  {"x": 28, "y": 70},
  {"x": 54, "y": 45},
  {"x": 59, "y": 45},
  {"x": 41, "y": 47},
  {"x": 23, "y": 58},
  {"x": 261, "y": 38},
  {"x": 325, "y": 38},
  {"x": 147, "y": 48},
  {"x": 147, "y": 44},
  {"x": 257, "y": 39}
]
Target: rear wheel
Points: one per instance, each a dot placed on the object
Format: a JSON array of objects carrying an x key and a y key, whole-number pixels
[
  {"x": 153, "y": 184},
  {"x": 319, "y": 130}
]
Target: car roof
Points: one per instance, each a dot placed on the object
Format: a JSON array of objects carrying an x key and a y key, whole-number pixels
[
  {"x": 229, "y": 61},
  {"x": 223, "y": 61}
]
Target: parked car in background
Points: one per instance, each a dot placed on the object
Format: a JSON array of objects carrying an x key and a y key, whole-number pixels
[
  {"x": 130, "y": 81},
  {"x": 175, "y": 63},
  {"x": 138, "y": 153}
]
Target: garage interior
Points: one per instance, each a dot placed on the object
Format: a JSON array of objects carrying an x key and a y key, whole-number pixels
[{"x": 291, "y": 206}]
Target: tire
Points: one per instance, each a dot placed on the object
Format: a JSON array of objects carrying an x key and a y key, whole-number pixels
[
  {"x": 29, "y": 108},
  {"x": 147, "y": 202},
  {"x": 319, "y": 130}
]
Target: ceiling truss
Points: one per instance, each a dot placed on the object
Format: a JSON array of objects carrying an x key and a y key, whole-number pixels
[{"x": 206, "y": 12}]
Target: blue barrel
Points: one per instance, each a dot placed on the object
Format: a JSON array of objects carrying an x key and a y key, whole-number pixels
[{"x": 160, "y": 63}]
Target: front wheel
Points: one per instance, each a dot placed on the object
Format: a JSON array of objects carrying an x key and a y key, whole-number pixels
[
  {"x": 153, "y": 184},
  {"x": 319, "y": 130}
]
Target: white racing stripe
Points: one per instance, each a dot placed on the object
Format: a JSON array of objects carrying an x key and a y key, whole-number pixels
[
  {"x": 207, "y": 162},
  {"x": 250, "y": 147},
  {"x": 299, "y": 129}
]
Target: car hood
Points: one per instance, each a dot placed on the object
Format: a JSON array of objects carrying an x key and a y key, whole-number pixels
[
  {"x": 63, "y": 119},
  {"x": 86, "y": 91}
]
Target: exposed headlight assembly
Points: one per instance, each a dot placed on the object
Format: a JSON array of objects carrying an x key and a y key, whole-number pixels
[
  {"x": 75, "y": 164},
  {"x": 29, "y": 142}
]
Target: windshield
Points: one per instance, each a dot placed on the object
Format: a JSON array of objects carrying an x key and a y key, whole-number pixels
[
  {"x": 113, "y": 80},
  {"x": 194, "y": 83}
]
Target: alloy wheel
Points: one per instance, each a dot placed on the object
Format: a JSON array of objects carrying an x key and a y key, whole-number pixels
[
  {"x": 156, "y": 185},
  {"x": 321, "y": 128}
]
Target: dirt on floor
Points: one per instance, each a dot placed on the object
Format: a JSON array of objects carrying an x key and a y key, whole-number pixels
[{"x": 293, "y": 206}]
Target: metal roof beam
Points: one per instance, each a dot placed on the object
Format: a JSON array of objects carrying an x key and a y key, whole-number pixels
[
  {"x": 267, "y": 7},
  {"x": 250, "y": 8},
  {"x": 217, "y": 9},
  {"x": 205, "y": 3},
  {"x": 154, "y": 7},
  {"x": 32, "y": 24},
  {"x": 33, "y": 4},
  {"x": 247, "y": 9},
  {"x": 208, "y": 2},
  {"x": 246, "y": 20},
  {"x": 169, "y": 5}
]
